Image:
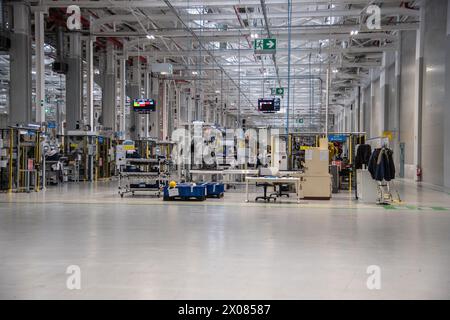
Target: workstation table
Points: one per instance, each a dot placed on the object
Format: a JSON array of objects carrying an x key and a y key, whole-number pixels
[
  {"x": 274, "y": 180},
  {"x": 227, "y": 172}
]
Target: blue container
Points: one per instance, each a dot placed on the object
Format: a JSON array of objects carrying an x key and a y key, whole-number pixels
[
  {"x": 215, "y": 189},
  {"x": 185, "y": 191}
]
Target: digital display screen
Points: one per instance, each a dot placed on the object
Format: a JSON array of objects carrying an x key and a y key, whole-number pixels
[
  {"x": 144, "y": 105},
  {"x": 269, "y": 105}
]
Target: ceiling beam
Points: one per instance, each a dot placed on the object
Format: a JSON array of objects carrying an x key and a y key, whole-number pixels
[{"x": 194, "y": 3}]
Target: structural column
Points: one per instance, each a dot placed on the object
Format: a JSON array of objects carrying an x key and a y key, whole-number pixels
[
  {"x": 134, "y": 92},
  {"x": 358, "y": 106},
  {"x": 109, "y": 90},
  {"x": 147, "y": 91},
  {"x": 447, "y": 107},
  {"x": 123, "y": 95},
  {"x": 20, "y": 67},
  {"x": 384, "y": 95},
  {"x": 362, "y": 116},
  {"x": 397, "y": 106},
  {"x": 74, "y": 88},
  {"x": 40, "y": 66},
  {"x": 90, "y": 82},
  {"x": 154, "y": 116},
  {"x": 165, "y": 110},
  {"x": 327, "y": 99},
  {"x": 418, "y": 93},
  {"x": 372, "y": 134},
  {"x": 178, "y": 107}
]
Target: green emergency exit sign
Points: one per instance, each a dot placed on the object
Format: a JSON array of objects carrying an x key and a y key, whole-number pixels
[
  {"x": 277, "y": 91},
  {"x": 268, "y": 45}
]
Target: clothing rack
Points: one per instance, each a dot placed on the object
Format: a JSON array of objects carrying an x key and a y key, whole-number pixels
[{"x": 384, "y": 195}]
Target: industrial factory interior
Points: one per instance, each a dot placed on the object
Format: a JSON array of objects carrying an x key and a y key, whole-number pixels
[{"x": 224, "y": 150}]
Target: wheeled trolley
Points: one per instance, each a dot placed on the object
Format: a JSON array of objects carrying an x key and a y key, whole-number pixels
[
  {"x": 185, "y": 191},
  {"x": 132, "y": 182},
  {"x": 215, "y": 189}
]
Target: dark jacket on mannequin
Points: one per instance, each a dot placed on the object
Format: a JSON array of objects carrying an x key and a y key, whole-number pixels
[
  {"x": 381, "y": 165},
  {"x": 363, "y": 154}
]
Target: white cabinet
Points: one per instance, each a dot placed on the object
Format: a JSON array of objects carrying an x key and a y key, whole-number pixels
[{"x": 366, "y": 187}]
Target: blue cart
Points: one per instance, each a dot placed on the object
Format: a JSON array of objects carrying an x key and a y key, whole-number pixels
[
  {"x": 185, "y": 191},
  {"x": 215, "y": 189}
]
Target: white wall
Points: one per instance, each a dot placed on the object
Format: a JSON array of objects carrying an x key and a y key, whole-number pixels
[
  {"x": 434, "y": 99},
  {"x": 434, "y": 103}
]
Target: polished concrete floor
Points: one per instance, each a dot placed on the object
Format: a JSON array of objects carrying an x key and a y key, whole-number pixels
[{"x": 144, "y": 248}]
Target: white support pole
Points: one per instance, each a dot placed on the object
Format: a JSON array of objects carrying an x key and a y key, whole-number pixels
[
  {"x": 418, "y": 93},
  {"x": 345, "y": 119},
  {"x": 178, "y": 107},
  {"x": 383, "y": 95},
  {"x": 165, "y": 111},
  {"x": 447, "y": 110},
  {"x": 74, "y": 83},
  {"x": 109, "y": 99},
  {"x": 40, "y": 66},
  {"x": 147, "y": 95},
  {"x": 122, "y": 82},
  {"x": 90, "y": 82},
  {"x": 358, "y": 106},
  {"x": 327, "y": 99},
  {"x": 362, "y": 113},
  {"x": 20, "y": 66},
  {"x": 134, "y": 93},
  {"x": 398, "y": 61},
  {"x": 372, "y": 111},
  {"x": 397, "y": 86}
]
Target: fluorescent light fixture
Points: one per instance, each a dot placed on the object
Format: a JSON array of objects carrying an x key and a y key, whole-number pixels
[
  {"x": 254, "y": 36},
  {"x": 194, "y": 73},
  {"x": 354, "y": 32},
  {"x": 150, "y": 37},
  {"x": 217, "y": 91}
]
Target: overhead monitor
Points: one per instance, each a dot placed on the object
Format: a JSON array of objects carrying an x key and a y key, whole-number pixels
[
  {"x": 269, "y": 105},
  {"x": 144, "y": 105}
]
